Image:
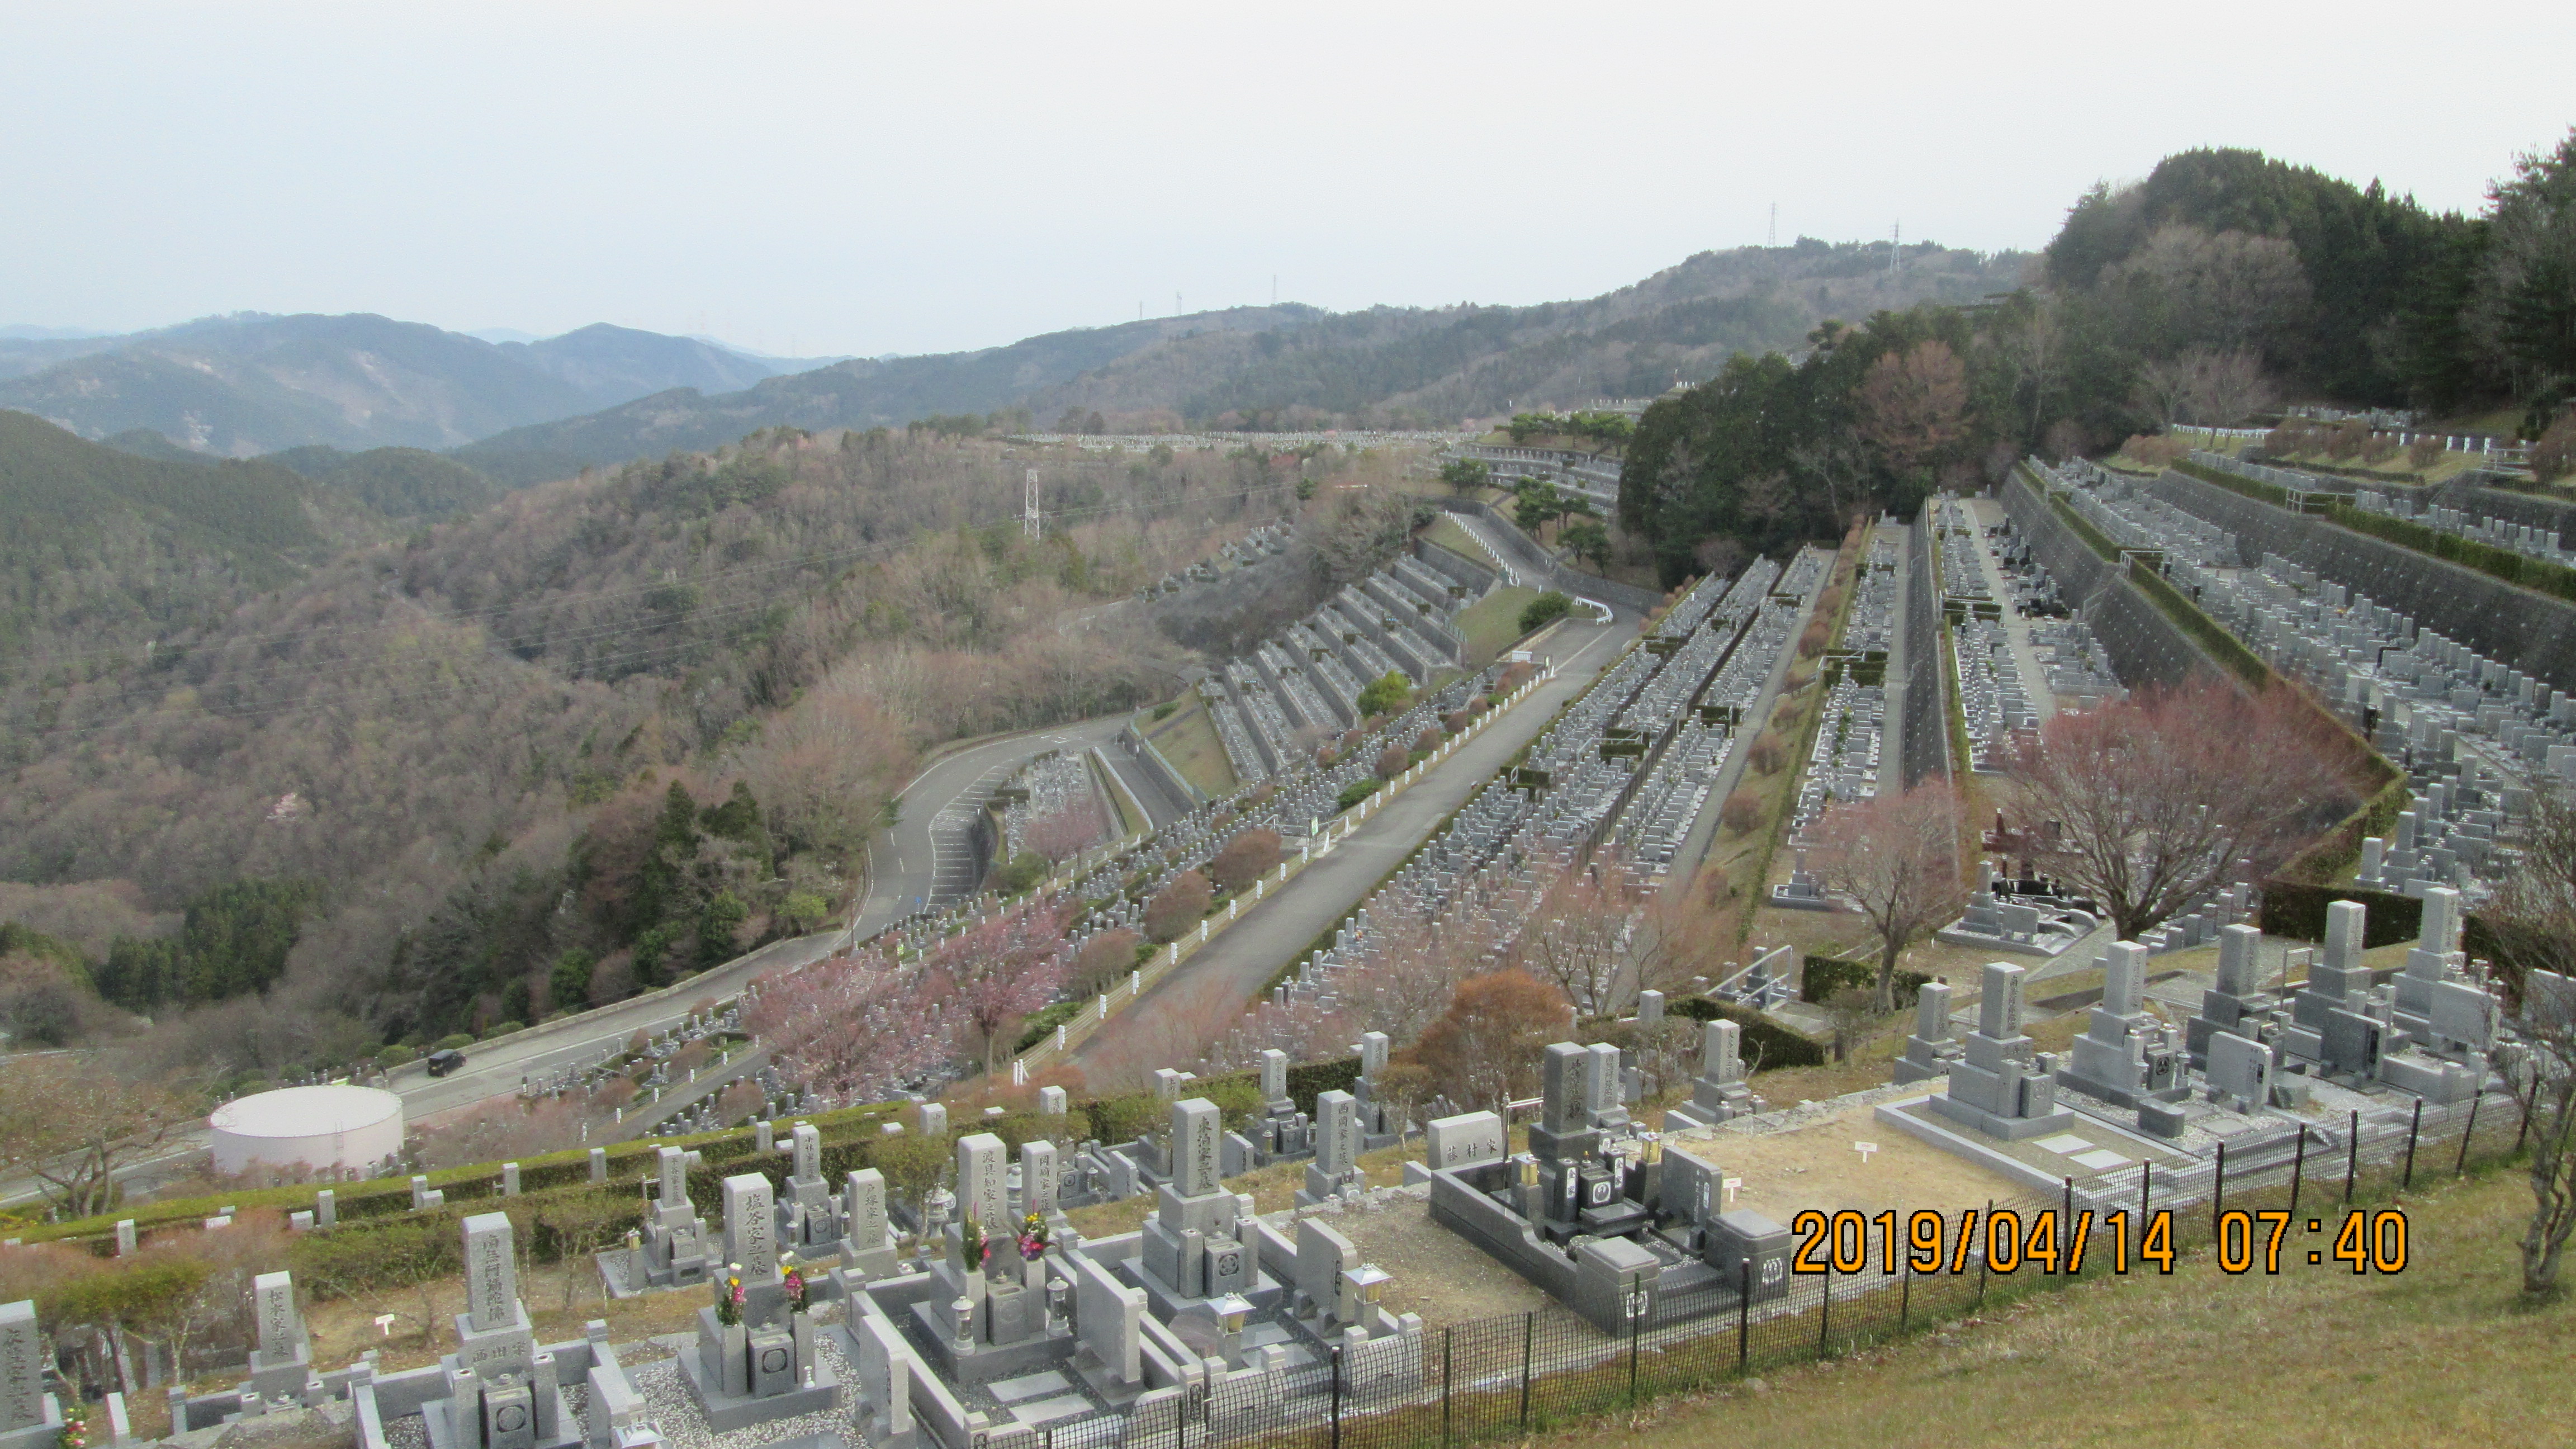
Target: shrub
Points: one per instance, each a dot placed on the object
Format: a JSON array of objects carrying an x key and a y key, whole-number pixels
[
  {"x": 394, "y": 1056},
  {"x": 1178, "y": 907},
  {"x": 1164, "y": 710},
  {"x": 1742, "y": 811},
  {"x": 2554, "y": 456},
  {"x": 1025, "y": 870},
  {"x": 2347, "y": 439},
  {"x": 1812, "y": 642},
  {"x": 1391, "y": 762},
  {"x": 1544, "y": 610},
  {"x": 2424, "y": 452},
  {"x": 1245, "y": 858},
  {"x": 1354, "y": 792},
  {"x": 2380, "y": 448},
  {"x": 1386, "y": 694},
  {"x": 1105, "y": 958},
  {"x": 1428, "y": 740},
  {"x": 456, "y": 1042},
  {"x": 504, "y": 1029},
  {"x": 1767, "y": 755}
]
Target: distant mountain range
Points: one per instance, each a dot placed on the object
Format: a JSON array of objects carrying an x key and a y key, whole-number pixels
[
  {"x": 522, "y": 412},
  {"x": 1296, "y": 366},
  {"x": 251, "y": 383}
]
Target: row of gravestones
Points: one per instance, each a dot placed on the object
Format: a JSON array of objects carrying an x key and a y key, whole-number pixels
[{"x": 1476, "y": 878}]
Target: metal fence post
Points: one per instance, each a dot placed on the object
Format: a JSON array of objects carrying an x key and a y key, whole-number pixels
[
  {"x": 2217, "y": 1192},
  {"x": 1448, "y": 1337},
  {"x": 1529, "y": 1344},
  {"x": 1825, "y": 1319},
  {"x": 1337, "y": 1399},
  {"x": 2066, "y": 1230},
  {"x": 1905, "y": 1298},
  {"x": 1985, "y": 1263},
  {"x": 1744, "y": 1316},
  {"x": 2351, "y": 1153},
  {"x": 2414, "y": 1129},
  {"x": 2298, "y": 1169},
  {"x": 2466, "y": 1133},
  {"x": 1636, "y": 1330}
]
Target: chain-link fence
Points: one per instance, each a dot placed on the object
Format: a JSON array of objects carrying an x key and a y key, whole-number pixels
[{"x": 1853, "y": 1280}]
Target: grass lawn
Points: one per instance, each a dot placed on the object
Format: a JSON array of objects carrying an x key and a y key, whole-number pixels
[
  {"x": 1188, "y": 739},
  {"x": 1447, "y": 532},
  {"x": 1492, "y": 624},
  {"x": 2316, "y": 1357}
]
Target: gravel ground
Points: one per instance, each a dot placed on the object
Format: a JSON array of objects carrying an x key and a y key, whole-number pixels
[{"x": 682, "y": 1427}]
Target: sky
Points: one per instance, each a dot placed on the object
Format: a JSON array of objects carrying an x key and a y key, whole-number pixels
[{"x": 803, "y": 179}]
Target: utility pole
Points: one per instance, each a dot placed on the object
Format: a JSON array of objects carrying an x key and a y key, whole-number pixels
[{"x": 1029, "y": 524}]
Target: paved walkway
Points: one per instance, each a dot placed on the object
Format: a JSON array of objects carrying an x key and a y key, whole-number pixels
[{"x": 1180, "y": 1015}]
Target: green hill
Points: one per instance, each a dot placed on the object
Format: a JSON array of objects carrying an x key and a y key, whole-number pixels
[{"x": 100, "y": 546}]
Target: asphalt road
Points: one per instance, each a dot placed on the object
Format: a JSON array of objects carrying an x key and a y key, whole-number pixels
[
  {"x": 925, "y": 857},
  {"x": 920, "y": 858},
  {"x": 1214, "y": 986}
]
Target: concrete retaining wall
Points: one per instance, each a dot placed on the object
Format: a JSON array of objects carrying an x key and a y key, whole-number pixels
[
  {"x": 2144, "y": 646},
  {"x": 2532, "y": 632}
]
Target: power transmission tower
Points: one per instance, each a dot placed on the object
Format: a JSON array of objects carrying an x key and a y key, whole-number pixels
[
  {"x": 1895, "y": 242},
  {"x": 1029, "y": 511},
  {"x": 1773, "y": 239}
]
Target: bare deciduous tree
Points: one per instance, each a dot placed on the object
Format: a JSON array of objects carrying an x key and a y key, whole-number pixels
[
  {"x": 1896, "y": 858},
  {"x": 2533, "y": 918},
  {"x": 2158, "y": 801}
]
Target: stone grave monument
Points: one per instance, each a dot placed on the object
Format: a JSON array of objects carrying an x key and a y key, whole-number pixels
[
  {"x": 1998, "y": 1086},
  {"x": 754, "y": 1360}
]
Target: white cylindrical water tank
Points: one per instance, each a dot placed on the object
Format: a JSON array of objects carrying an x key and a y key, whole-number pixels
[{"x": 316, "y": 1127}]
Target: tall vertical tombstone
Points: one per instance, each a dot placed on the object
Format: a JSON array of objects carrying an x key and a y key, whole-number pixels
[
  {"x": 29, "y": 1416},
  {"x": 1338, "y": 1142},
  {"x": 867, "y": 1241},
  {"x": 281, "y": 1368},
  {"x": 1997, "y": 1087},
  {"x": 1191, "y": 1248}
]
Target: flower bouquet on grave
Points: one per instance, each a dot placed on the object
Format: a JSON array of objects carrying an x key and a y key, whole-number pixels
[
  {"x": 75, "y": 1424},
  {"x": 794, "y": 1283},
  {"x": 971, "y": 1244},
  {"x": 1033, "y": 1237},
  {"x": 729, "y": 1298}
]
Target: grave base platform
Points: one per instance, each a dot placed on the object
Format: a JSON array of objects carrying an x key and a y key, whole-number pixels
[
  {"x": 2010, "y": 1129},
  {"x": 933, "y": 1324},
  {"x": 442, "y": 1430},
  {"x": 727, "y": 1412}
]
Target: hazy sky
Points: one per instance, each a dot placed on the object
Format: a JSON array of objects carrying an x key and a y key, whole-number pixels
[{"x": 902, "y": 178}]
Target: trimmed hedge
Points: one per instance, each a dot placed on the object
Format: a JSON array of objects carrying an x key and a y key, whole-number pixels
[
  {"x": 1822, "y": 976},
  {"x": 2298, "y": 911},
  {"x": 1766, "y": 1042},
  {"x": 2204, "y": 631}
]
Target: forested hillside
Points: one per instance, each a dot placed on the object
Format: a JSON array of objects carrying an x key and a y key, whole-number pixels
[
  {"x": 101, "y": 549},
  {"x": 860, "y": 393},
  {"x": 1410, "y": 366},
  {"x": 2221, "y": 286},
  {"x": 601, "y": 733}
]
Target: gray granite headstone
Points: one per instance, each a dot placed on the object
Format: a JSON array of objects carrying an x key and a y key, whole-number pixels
[
  {"x": 1195, "y": 1124},
  {"x": 1464, "y": 1140},
  {"x": 491, "y": 1273},
  {"x": 22, "y": 1367},
  {"x": 983, "y": 1190},
  {"x": 751, "y": 1226}
]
